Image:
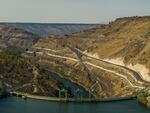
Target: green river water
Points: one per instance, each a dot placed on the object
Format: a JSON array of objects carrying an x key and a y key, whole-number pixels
[{"x": 18, "y": 105}]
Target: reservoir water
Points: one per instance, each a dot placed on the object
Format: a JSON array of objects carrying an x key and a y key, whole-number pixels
[{"x": 18, "y": 105}]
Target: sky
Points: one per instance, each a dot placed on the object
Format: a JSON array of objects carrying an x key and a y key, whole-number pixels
[{"x": 71, "y": 11}]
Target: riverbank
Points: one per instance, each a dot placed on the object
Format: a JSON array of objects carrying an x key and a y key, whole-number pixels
[
  {"x": 144, "y": 97},
  {"x": 144, "y": 100},
  {"x": 82, "y": 100}
]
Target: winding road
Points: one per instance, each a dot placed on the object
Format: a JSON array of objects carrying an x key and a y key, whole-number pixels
[{"x": 134, "y": 75}]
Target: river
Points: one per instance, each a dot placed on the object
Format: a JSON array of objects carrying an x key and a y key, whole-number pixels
[{"x": 18, "y": 105}]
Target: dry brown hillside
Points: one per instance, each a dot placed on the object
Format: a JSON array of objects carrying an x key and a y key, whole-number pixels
[
  {"x": 13, "y": 37},
  {"x": 125, "y": 37},
  {"x": 124, "y": 41}
]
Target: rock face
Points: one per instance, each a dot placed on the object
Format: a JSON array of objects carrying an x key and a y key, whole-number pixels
[
  {"x": 16, "y": 38},
  {"x": 52, "y": 29},
  {"x": 87, "y": 58}
]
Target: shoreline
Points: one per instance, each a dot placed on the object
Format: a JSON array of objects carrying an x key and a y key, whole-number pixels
[{"x": 56, "y": 99}]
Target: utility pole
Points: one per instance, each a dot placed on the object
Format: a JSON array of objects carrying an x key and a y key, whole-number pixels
[
  {"x": 66, "y": 94},
  {"x": 90, "y": 93},
  {"x": 81, "y": 94},
  {"x": 92, "y": 88},
  {"x": 78, "y": 91},
  {"x": 59, "y": 93},
  {"x": 64, "y": 91}
]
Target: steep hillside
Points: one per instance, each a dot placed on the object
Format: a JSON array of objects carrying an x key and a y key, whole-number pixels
[
  {"x": 20, "y": 74},
  {"x": 125, "y": 41},
  {"x": 52, "y": 29},
  {"x": 13, "y": 37},
  {"x": 91, "y": 58}
]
